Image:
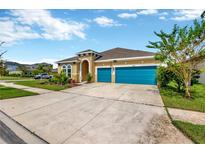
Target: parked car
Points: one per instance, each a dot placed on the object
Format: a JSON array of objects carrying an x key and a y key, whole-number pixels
[{"x": 43, "y": 76}]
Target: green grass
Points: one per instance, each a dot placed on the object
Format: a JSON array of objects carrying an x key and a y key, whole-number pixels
[
  {"x": 44, "y": 84},
  {"x": 7, "y": 92},
  {"x": 13, "y": 78},
  {"x": 195, "y": 132},
  {"x": 173, "y": 99}
]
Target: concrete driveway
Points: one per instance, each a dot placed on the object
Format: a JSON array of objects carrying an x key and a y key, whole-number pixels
[{"x": 96, "y": 113}]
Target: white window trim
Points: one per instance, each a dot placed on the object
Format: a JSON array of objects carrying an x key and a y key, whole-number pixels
[
  {"x": 136, "y": 65},
  {"x": 66, "y": 68}
]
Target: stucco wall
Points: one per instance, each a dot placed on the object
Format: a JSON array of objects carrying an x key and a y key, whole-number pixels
[
  {"x": 94, "y": 65},
  {"x": 75, "y": 70},
  {"x": 90, "y": 59},
  {"x": 59, "y": 68},
  {"x": 124, "y": 62}
]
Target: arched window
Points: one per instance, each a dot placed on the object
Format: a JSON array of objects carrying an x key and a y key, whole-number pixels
[{"x": 67, "y": 70}]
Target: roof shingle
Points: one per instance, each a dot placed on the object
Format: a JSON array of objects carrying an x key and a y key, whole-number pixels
[
  {"x": 123, "y": 53},
  {"x": 114, "y": 53},
  {"x": 69, "y": 59}
]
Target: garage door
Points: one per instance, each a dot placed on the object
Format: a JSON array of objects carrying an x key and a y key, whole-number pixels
[
  {"x": 136, "y": 75},
  {"x": 104, "y": 75}
]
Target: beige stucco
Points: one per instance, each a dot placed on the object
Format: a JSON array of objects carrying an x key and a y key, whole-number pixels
[
  {"x": 123, "y": 63},
  {"x": 75, "y": 70},
  {"x": 93, "y": 65}
]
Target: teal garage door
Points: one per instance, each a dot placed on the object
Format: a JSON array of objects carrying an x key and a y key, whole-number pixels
[
  {"x": 136, "y": 75},
  {"x": 104, "y": 74}
]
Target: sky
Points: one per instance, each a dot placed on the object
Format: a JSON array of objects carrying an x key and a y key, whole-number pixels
[{"x": 50, "y": 35}]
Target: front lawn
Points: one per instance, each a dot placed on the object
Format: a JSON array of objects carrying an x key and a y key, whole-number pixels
[
  {"x": 44, "y": 84},
  {"x": 171, "y": 98},
  {"x": 7, "y": 92},
  {"x": 195, "y": 132},
  {"x": 13, "y": 78}
]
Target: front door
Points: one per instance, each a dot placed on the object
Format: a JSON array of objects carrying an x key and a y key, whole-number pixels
[{"x": 85, "y": 70}]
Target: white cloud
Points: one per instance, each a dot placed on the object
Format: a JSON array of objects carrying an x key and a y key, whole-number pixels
[
  {"x": 11, "y": 32},
  {"x": 183, "y": 15},
  {"x": 162, "y": 18},
  {"x": 53, "y": 28},
  {"x": 88, "y": 20},
  {"x": 32, "y": 24},
  {"x": 147, "y": 12},
  {"x": 106, "y": 22},
  {"x": 164, "y": 13},
  {"x": 127, "y": 15}
]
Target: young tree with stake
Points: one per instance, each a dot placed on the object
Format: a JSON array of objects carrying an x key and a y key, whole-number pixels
[{"x": 183, "y": 49}]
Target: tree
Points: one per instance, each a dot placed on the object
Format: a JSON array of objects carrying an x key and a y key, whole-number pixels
[
  {"x": 183, "y": 48},
  {"x": 40, "y": 68},
  {"x": 23, "y": 69},
  {"x": 44, "y": 68},
  {"x": 203, "y": 15},
  {"x": 2, "y": 65}
]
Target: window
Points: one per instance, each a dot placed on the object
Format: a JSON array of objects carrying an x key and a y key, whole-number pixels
[{"x": 67, "y": 70}]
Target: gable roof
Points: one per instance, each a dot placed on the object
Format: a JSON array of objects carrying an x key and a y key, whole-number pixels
[
  {"x": 117, "y": 53},
  {"x": 68, "y": 59},
  {"x": 88, "y": 50}
]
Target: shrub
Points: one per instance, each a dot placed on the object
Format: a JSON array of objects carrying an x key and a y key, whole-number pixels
[
  {"x": 88, "y": 77},
  {"x": 36, "y": 72},
  {"x": 53, "y": 80},
  {"x": 165, "y": 75},
  {"x": 15, "y": 75},
  {"x": 61, "y": 79},
  {"x": 162, "y": 76},
  {"x": 27, "y": 74}
]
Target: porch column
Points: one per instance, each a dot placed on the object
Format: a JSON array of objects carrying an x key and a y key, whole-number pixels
[{"x": 80, "y": 73}]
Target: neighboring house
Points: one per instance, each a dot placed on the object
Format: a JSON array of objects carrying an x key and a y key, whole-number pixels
[
  {"x": 32, "y": 67},
  {"x": 116, "y": 65},
  {"x": 201, "y": 67},
  {"x": 12, "y": 67}
]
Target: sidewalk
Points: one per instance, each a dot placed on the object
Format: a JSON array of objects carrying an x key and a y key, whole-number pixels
[
  {"x": 188, "y": 116},
  {"x": 31, "y": 89},
  {"x": 13, "y": 133}
]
